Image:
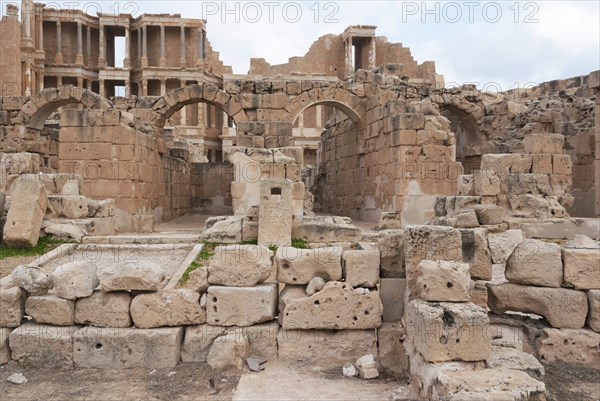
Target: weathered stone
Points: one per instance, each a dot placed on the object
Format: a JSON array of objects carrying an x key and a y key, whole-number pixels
[
  {"x": 361, "y": 268},
  {"x": 510, "y": 358},
  {"x": 534, "y": 262},
  {"x": 479, "y": 294},
  {"x": 448, "y": 331},
  {"x": 503, "y": 244},
  {"x": 367, "y": 368},
  {"x": 40, "y": 345},
  {"x": 131, "y": 276},
  {"x": 17, "y": 378},
  {"x": 104, "y": 309},
  {"x": 299, "y": 266},
  {"x": 325, "y": 348},
  {"x": 239, "y": 265},
  {"x": 12, "y": 303},
  {"x": 391, "y": 246},
  {"x": 563, "y": 308},
  {"x": 582, "y": 242},
  {"x": 110, "y": 348},
  {"x": 486, "y": 182},
  {"x": 489, "y": 214},
  {"x": 392, "y": 292},
  {"x": 27, "y": 209},
  {"x": 275, "y": 212},
  {"x": 544, "y": 143},
  {"x": 48, "y": 309},
  {"x": 476, "y": 253},
  {"x": 75, "y": 280},
  {"x": 4, "y": 348},
  {"x": 20, "y": 163},
  {"x": 431, "y": 243},
  {"x": 227, "y": 231},
  {"x": 349, "y": 370},
  {"x": 467, "y": 219},
  {"x": 69, "y": 207},
  {"x": 66, "y": 232},
  {"x": 31, "y": 279},
  {"x": 336, "y": 306},
  {"x": 198, "y": 280},
  {"x": 228, "y": 351},
  {"x": 391, "y": 354},
  {"x": 241, "y": 306},
  {"x": 167, "y": 308},
  {"x": 593, "y": 319},
  {"x": 441, "y": 281},
  {"x": 582, "y": 268},
  {"x": 315, "y": 285},
  {"x": 579, "y": 347}
]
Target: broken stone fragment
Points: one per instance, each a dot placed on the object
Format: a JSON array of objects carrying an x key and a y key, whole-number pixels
[
  {"x": 75, "y": 280},
  {"x": 239, "y": 265},
  {"x": 349, "y": 370},
  {"x": 315, "y": 285},
  {"x": 131, "y": 276},
  {"x": 535, "y": 262},
  {"x": 367, "y": 368},
  {"x": 228, "y": 351},
  {"x": 299, "y": 266},
  {"x": 32, "y": 279}
]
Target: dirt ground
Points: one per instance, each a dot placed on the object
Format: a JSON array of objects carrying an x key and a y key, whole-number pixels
[
  {"x": 7, "y": 265},
  {"x": 566, "y": 382}
]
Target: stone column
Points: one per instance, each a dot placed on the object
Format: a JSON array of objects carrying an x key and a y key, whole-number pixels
[
  {"x": 163, "y": 87},
  {"x": 59, "y": 81},
  {"x": 318, "y": 117},
  {"x": 183, "y": 109},
  {"x": 59, "y": 55},
  {"x": 301, "y": 123},
  {"x": 372, "y": 54},
  {"x": 144, "y": 87},
  {"x": 144, "y": 46},
  {"x": 102, "y": 56},
  {"x": 40, "y": 79},
  {"x": 79, "y": 59},
  {"x": 127, "y": 88},
  {"x": 139, "y": 48},
  {"x": 127, "y": 61},
  {"x": 40, "y": 44},
  {"x": 200, "y": 47},
  {"x": 79, "y": 82},
  {"x": 88, "y": 45},
  {"x": 348, "y": 56},
  {"x": 89, "y": 85},
  {"x": 182, "y": 61},
  {"x": 163, "y": 61},
  {"x": 101, "y": 88}
]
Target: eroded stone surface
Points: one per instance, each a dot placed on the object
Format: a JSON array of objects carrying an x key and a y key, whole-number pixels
[
  {"x": 582, "y": 268},
  {"x": 299, "y": 266},
  {"x": 12, "y": 303},
  {"x": 40, "y": 345},
  {"x": 503, "y": 244},
  {"x": 534, "y": 262},
  {"x": 239, "y": 265},
  {"x": 104, "y": 309},
  {"x": 510, "y": 358},
  {"x": 48, "y": 309},
  {"x": 241, "y": 306},
  {"x": 361, "y": 268},
  {"x": 131, "y": 276},
  {"x": 579, "y": 347},
  {"x": 442, "y": 281},
  {"x": 167, "y": 308},
  {"x": 75, "y": 280}
]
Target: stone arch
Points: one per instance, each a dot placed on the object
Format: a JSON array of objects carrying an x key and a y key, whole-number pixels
[
  {"x": 35, "y": 112},
  {"x": 173, "y": 101}
]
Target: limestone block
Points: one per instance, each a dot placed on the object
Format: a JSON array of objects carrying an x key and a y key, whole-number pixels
[
  {"x": 442, "y": 281},
  {"x": 131, "y": 276},
  {"x": 392, "y": 292},
  {"x": 275, "y": 212},
  {"x": 391, "y": 246},
  {"x": 101, "y": 208},
  {"x": 239, "y": 265},
  {"x": 20, "y": 163},
  {"x": 367, "y": 367},
  {"x": 178, "y": 307},
  {"x": 479, "y": 294},
  {"x": 32, "y": 279},
  {"x": 198, "y": 280},
  {"x": 534, "y": 262},
  {"x": 489, "y": 214},
  {"x": 561, "y": 164},
  {"x": 104, "y": 309},
  {"x": 476, "y": 253},
  {"x": 444, "y": 331},
  {"x": 465, "y": 185},
  {"x": 582, "y": 268},
  {"x": 66, "y": 232},
  {"x": 503, "y": 244},
  {"x": 544, "y": 143},
  {"x": 581, "y": 241},
  {"x": 12, "y": 301},
  {"x": 70, "y": 207},
  {"x": 226, "y": 231},
  {"x": 361, "y": 268},
  {"x": 75, "y": 280},
  {"x": 510, "y": 358},
  {"x": 27, "y": 209},
  {"x": 593, "y": 319},
  {"x": 4, "y": 348},
  {"x": 563, "y": 308},
  {"x": 124, "y": 348},
  {"x": 467, "y": 219},
  {"x": 40, "y": 345},
  {"x": 228, "y": 351},
  {"x": 391, "y": 354},
  {"x": 336, "y": 306},
  {"x": 299, "y": 266},
  {"x": 241, "y": 306},
  {"x": 542, "y": 164},
  {"x": 48, "y": 309},
  {"x": 579, "y": 347},
  {"x": 315, "y": 285},
  {"x": 486, "y": 183},
  {"x": 325, "y": 348}
]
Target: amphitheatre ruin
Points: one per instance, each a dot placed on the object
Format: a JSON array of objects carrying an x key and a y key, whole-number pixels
[{"x": 341, "y": 226}]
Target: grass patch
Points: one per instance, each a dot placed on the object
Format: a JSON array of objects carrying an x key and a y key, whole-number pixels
[
  {"x": 250, "y": 242},
  {"x": 45, "y": 244},
  {"x": 299, "y": 243},
  {"x": 208, "y": 250}
]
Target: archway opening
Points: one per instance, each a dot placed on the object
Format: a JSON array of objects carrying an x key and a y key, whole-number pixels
[{"x": 469, "y": 141}]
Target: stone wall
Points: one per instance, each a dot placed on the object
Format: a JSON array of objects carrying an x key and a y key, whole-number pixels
[{"x": 211, "y": 187}]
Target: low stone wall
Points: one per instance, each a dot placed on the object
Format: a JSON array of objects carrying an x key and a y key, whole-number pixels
[{"x": 211, "y": 187}]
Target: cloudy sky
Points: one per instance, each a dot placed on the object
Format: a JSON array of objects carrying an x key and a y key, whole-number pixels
[{"x": 496, "y": 44}]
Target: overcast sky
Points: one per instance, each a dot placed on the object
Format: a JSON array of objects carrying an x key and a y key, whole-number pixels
[{"x": 508, "y": 43}]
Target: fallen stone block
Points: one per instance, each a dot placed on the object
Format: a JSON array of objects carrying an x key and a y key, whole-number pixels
[
  {"x": 441, "y": 281},
  {"x": 167, "y": 308},
  {"x": 239, "y": 265},
  {"x": 4, "y": 348},
  {"x": 392, "y": 292},
  {"x": 75, "y": 280},
  {"x": 510, "y": 358},
  {"x": 198, "y": 280},
  {"x": 63, "y": 231},
  {"x": 27, "y": 209},
  {"x": 476, "y": 253},
  {"x": 12, "y": 302},
  {"x": 315, "y": 285},
  {"x": 486, "y": 182},
  {"x": 391, "y": 354},
  {"x": 325, "y": 348},
  {"x": 563, "y": 308},
  {"x": 69, "y": 207},
  {"x": 32, "y": 279},
  {"x": 445, "y": 331},
  {"x": 119, "y": 348},
  {"x": 104, "y": 309},
  {"x": 227, "y": 231},
  {"x": 241, "y": 306},
  {"x": 582, "y": 268},
  {"x": 489, "y": 214},
  {"x": 323, "y": 229},
  {"x": 40, "y": 345},
  {"x": 48, "y": 309},
  {"x": 534, "y": 262},
  {"x": 130, "y": 277},
  {"x": 503, "y": 244},
  {"x": 361, "y": 268},
  {"x": 228, "y": 351},
  {"x": 367, "y": 368},
  {"x": 299, "y": 266},
  {"x": 579, "y": 347},
  {"x": 593, "y": 319},
  {"x": 391, "y": 247},
  {"x": 337, "y": 306},
  {"x": 467, "y": 219}
]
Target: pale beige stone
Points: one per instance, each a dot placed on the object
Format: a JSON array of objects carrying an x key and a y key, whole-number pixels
[
  {"x": 336, "y": 306},
  {"x": 593, "y": 319},
  {"x": 391, "y": 246},
  {"x": 315, "y": 285},
  {"x": 579, "y": 347},
  {"x": 299, "y": 266},
  {"x": 32, "y": 279},
  {"x": 466, "y": 219},
  {"x": 228, "y": 351},
  {"x": 26, "y": 212},
  {"x": 476, "y": 252},
  {"x": 131, "y": 276},
  {"x": 510, "y": 358},
  {"x": 535, "y": 262},
  {"x": 486, "y": 182},
  {"x": 228, "y": 231},
  {"x": 42, "y": 346},
  {"x": 367, "y": 367},
  {"x": 563, "y": 308},
  {"x": 239, "y": 265},
  {"x": 275, "y": 212},
  {"x": 582, "y": 268},
  {"x": 479, "y": 294},
  {"x": 20, "y": 163},
  {"x": 104, "y": 309},
  {"x": 442, "y": 281},
  {"x": 48, "y": 309},
  {"x": 489, "y": 214},
  {"x": 167, "y": 308},
  {"x": 581, "y": 241},
  {"x": 12, "y": 302},
  {"x": 241, "y": 306},
  {"x": 69, "y": 207},
  {"x": 503, "y": 244},
  {"x": 75, "y": 280},
  {"x": 4, "y": 348},
  {"x": 361, "y": 268},
  {"x": 544, "y": 143},
  {"x": 391, "y": 354}
]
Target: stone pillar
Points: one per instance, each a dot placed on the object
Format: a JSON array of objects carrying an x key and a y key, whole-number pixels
[
  {"x": 102, "y": 56},
  {"x": 127, "y": 61},
  {"x": 88, "y": 45},
  {"x": 184, "y": 108},
  {"x": 59, "y": 81},
  {"x": 319, "y": 117},
  {"x": 40, "y": 79},
  {"x": 127, "y": 88},
  {"x": 163, "y": 87},
  {"x": 372, "y": 54},
  {"x": 182, "y": 61},
  {"x": 301, "y": 123},
  {"x": 139, "y": 48},
  {"x": 59, "y": 55},
  {"x": 163, "y": 61},
  {"x": 89, "y": 84},
  {"x": 144, "y": 87},
  {"x": 348, "y": 56},
  {"x": 101, "y": 88},
  {"x": 200, "y": 47},
  {"x": 79, "y": 82},
  {"x": 275, "y": 211},
  {"x": 40, "y": 44},
  {"x": 79, "y": 59},
  {"x": 144, "y": 46}
]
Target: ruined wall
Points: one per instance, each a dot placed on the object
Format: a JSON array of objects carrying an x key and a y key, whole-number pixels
[
  {"x": 211, "y": 187},
  {"x": 10, "y": 54}
]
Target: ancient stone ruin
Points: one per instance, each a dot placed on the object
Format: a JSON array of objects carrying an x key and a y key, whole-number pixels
[{"x": 359, "y": 216}]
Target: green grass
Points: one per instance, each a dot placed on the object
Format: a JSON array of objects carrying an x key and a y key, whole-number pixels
[
  {"x": 299, "y": 243},
  {"x": 45, "y": 244},
  {"x": 250, "y": 242},
  {"x": 208, "y": 250}
]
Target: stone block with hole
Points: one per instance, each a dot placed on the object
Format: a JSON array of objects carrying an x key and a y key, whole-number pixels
[
  {"x": 299, "y": 266},
  {"x": 241, "y": 306},
  {"x": 41, "y": 345}
]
